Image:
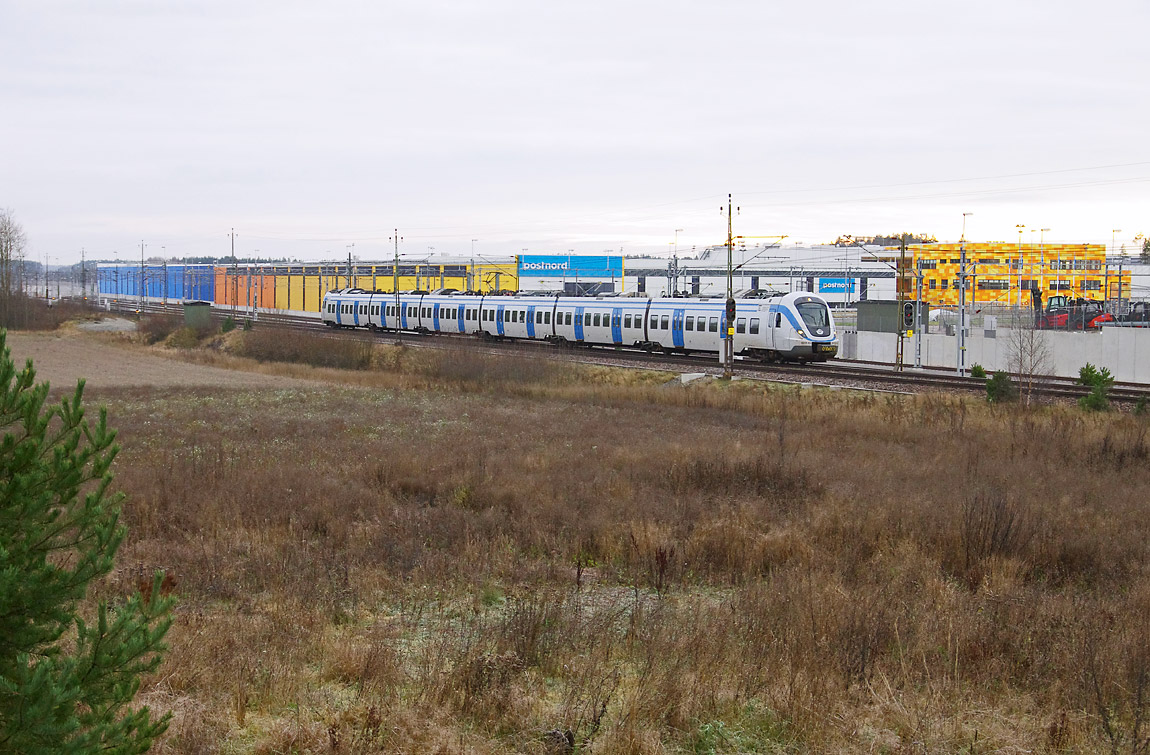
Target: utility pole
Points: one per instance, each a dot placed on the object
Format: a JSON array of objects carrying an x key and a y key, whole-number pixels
[
  {"x": 918, "y": 326},
  {"x": 729, "y": 327},
  {"x": 350, "y": 249},
  {"x": 83, "y": 277}
]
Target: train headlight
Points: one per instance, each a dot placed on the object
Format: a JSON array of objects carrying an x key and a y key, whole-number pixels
[{"x": 802, "y": 334}]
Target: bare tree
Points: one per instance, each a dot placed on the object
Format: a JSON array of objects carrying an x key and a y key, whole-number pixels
[
  {"x": 12, "y": 245},
  {"x": 1028, "y": 355}
]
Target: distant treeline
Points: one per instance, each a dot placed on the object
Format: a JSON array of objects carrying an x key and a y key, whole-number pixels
[{"x": 886, "y": 240}]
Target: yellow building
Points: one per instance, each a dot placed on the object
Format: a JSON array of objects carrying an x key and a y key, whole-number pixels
[
  {"x": 301, "y": 287},
  {"x": 1005, "y": 273}
]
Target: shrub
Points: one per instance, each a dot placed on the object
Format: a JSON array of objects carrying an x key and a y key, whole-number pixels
[
  {"x": 1000, "y": 389},
  {"x": 978, "y": 371},
  {"x": 185, "y": 338},
  {"x": 1099, "y": 381},
  {"x": 155, "y": 328},
  {"x": 228, "y": 325}
]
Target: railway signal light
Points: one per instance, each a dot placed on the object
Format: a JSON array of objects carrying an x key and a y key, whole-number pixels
[
  {"x": 730, "y": 313},
  {"x": 908, "y": 315}
]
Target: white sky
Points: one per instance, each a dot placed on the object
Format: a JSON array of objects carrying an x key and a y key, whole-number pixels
[{"x": 551, "y": 126}]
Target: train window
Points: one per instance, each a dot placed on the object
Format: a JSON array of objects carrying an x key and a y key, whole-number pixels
[
  {"x": 666, "y": 322},
  {"x": 714, "y": 325},
  {"x": 654, "y": 322},
  {"x": 626, "y": 321},
  {"x": 596, "y": 319},
  {"x": 546, "y": 318},
  {"x": 778, "y": 319},
  {"x": 690, "y": 323},
  {"x": 754, "y": 326},
  {"x": 568, "y": 319},
  {"x": 587, "y": 318},
  {"x": 741, "y": 325}
]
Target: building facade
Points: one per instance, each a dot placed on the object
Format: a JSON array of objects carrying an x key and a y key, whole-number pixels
[{"x": 1005, "y": 274}]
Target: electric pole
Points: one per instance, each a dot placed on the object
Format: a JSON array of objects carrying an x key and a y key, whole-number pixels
[
  {"x": 350, "y": 249},
  {"x": 900, "y": 294},
  {"x": 141, "y": 309},
  {"x": 395, "y": 271},
  {"x": 729, "y": 325}
]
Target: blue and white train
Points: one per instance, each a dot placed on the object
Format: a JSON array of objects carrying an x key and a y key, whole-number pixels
[{"x": 795, "y": 327}]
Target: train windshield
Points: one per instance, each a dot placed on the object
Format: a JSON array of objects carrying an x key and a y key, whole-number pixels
[{"x": 815, "y": 314}]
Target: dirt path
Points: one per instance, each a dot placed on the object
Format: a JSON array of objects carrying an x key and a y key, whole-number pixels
[{"x": 63, "y": 357}]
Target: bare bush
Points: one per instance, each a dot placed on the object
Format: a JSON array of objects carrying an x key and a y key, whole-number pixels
[{"x": 279, "y": 345}]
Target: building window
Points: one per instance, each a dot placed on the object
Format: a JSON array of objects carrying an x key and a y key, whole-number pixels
[{"x": 1092, "y": 286}]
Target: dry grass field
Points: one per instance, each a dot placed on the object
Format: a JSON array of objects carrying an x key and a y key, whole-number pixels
[{"x": 442, "y": 552}]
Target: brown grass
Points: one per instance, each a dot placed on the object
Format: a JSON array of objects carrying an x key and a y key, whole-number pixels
[{"x": 472, "y": 556}]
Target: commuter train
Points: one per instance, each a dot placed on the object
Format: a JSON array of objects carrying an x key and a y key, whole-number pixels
[{"x": 793, "y": 327}]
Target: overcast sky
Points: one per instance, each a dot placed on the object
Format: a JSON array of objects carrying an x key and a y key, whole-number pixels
[{"x": 551, "y": 126}]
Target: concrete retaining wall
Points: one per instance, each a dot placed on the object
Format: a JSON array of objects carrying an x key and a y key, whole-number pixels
[{"x": 1124, "y": 351}]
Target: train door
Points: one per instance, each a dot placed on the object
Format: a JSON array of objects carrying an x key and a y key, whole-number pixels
[
  {"x": 435, "y": 317},
  {"x": 578, "y": 323},
  {"x": 355, "y": 313},
  {"x": 531, "y": 322},
  {"x": 677, "y": 328},
  {"x": 338, "y": 312},
  {"x": 617, "y": 326},
  {"x": 403, "y": 315},
  {"x": 499, "y": 319},
  {"x": 459, "y": 311}
]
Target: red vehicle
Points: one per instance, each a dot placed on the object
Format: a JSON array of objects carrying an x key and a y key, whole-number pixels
[{"x": 1065, "y": 313}]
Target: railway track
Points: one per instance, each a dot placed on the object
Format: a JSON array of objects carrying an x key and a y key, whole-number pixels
[{"x": 867, "y": 376}]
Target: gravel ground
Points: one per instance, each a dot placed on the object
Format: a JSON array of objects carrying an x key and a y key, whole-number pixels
[{"x": 62, "y": 357}]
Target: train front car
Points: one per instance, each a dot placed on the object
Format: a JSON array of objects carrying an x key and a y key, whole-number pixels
[{"x": 801, "y": 329}]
